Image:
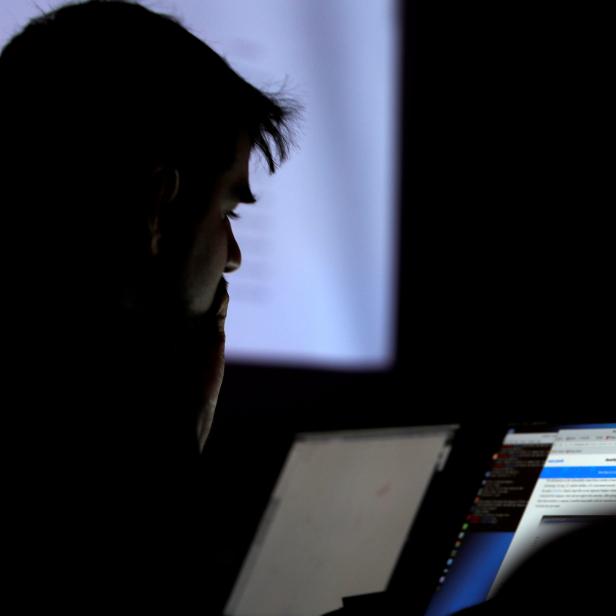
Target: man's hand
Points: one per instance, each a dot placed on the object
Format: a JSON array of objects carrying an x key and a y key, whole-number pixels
[
  {"x": 201, "y": 362},
  {"x": 213, "y": 367}
]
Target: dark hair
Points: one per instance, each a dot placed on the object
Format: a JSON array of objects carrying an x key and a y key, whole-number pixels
[{"x": 93, "y": 95}]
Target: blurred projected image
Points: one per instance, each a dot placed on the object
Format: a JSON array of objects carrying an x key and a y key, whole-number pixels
[{"x": 317, "y": 282}]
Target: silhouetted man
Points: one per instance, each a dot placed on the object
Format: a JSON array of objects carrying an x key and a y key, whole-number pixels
[{"x": 125, "y": 148}]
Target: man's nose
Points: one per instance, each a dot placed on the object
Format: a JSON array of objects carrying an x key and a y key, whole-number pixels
[{"x": 234, "y": 255}]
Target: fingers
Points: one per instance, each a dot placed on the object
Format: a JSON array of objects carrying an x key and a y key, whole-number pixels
[
  {"x": 221, "y": 314},
  {"x": 212, "y": 358}
]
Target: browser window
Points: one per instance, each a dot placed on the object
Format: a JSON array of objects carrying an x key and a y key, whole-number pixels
[
  {"x": 542, "y": 482},
  {"x": 576, "y": 487}
]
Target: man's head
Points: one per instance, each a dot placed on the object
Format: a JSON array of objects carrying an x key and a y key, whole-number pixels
[{"x": 125, "y": 146}]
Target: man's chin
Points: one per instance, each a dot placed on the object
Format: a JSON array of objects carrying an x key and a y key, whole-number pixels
[{"x": 211, "y": 304}]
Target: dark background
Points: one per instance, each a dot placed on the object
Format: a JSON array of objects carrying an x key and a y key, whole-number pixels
[{"x": 506, "y": 256}]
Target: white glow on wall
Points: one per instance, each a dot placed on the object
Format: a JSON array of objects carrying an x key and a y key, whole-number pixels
[{"x": 317, "y": 284}]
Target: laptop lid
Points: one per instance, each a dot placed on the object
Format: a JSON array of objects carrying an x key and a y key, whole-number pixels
[{"x": 338, "y": 519}]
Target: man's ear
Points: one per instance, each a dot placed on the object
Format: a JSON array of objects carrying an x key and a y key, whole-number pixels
[{"x": 164, "y": 188}]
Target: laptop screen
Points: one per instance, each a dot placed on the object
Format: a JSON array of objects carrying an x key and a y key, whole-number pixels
[
  {"x": 338, "y": 519},
  {"x": 540, "y": 483}
]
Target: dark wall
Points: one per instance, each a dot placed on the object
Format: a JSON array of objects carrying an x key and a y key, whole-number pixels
[
  {"x": 513, "y": 224},
  {"x": 510, "y": 215}
]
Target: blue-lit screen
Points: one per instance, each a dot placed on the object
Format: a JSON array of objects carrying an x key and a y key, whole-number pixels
[{"x": 502, "y": 509}]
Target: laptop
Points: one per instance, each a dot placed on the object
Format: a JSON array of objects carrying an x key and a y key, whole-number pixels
[
  {"x": 338, "y": 518},
  {"x": 438, "y": 514},
  {"x": 541, "y": 482}
]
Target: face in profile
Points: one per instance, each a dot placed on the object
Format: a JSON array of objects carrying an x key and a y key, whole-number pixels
[
  {"x": 208, "y": 247},
  {"x": 213, "y": 248}
]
